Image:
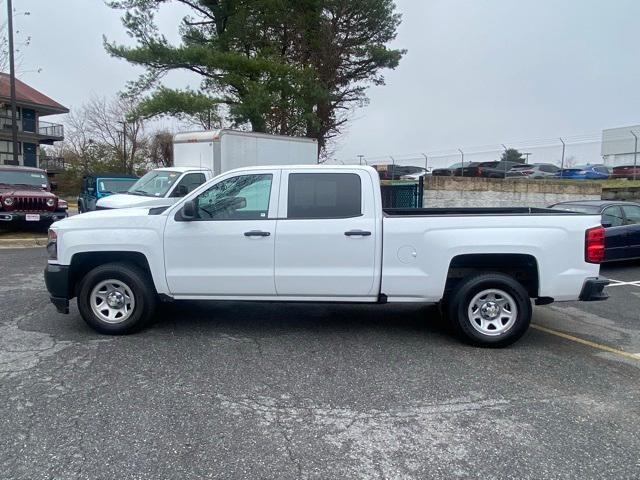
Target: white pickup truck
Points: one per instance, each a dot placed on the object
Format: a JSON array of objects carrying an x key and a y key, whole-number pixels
[
  {"x": 320, "y": 234},
  {"x": 159, "y": 187}
]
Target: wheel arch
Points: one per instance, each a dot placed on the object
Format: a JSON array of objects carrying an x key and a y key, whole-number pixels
[
  {"x": 83, "y": 262},
  {"x": 522, "y": 267}
]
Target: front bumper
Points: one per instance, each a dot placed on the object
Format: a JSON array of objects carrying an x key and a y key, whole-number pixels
[
  {"x": 56, "y": 278},
  {"x": 19, "y": 217},
  {"x": 593, "y": 289}
]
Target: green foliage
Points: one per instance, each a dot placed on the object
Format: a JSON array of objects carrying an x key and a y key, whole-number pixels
[
  {"x": 293, "y": 67},
  {"x": 512, "y": 155}
]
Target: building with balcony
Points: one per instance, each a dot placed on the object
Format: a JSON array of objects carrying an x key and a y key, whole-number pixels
[{"x": 32, "y": 105}]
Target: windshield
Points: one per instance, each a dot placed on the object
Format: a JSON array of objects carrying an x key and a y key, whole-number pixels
[
  {"x": 569, "y": 207},
  {"x": 31, "y": 179},
  {"x": 156, "y": 183},
  {"x": 115, "y": 185}
]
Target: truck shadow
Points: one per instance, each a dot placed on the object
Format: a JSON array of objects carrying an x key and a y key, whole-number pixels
[{"x": 265, "y": 318}]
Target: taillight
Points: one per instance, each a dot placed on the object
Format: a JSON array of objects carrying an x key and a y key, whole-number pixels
[
  {"x": 528, "y": 172},
  {"x": 594, "y": 245},
  {"x": 479, "y": 172}
]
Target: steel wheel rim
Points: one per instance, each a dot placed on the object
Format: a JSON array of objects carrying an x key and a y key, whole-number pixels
[
  {"x": 112, "y": 301},
  {"x": 492, "y": 312}
]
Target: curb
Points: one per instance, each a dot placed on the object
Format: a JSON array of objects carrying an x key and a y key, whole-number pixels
[{"x": 33, "y": 242}]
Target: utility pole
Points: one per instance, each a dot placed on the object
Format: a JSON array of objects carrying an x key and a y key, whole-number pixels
[
  {"x": 393, "y": 167},
  {"x": 360, "y": 157},
  {"x": 12, "y": 80},
  {"x": 462, "y": 169},
  {"x": 426, "y": 161},
  {"x": 527, "y": 155},
  {"x": 505, "y": 159},
  {"x": 635, "y": 155},
  {"x": 562, "y": 161}
]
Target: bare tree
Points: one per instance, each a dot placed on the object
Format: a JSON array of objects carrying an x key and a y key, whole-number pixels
[
  {"x": 110, "y": 123},
  {"x": 161, "y": 149},
  {"x": 20, "y": 42}
]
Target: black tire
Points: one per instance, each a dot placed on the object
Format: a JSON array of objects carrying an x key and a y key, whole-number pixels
[
  {"x": 460, "y": 302},
  {"x": 138, "y": 283}
]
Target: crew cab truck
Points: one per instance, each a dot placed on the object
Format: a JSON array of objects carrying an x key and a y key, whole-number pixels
[{"x": 320, "y": 234}]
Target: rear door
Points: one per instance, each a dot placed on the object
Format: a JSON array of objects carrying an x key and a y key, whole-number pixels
[
  {"x": 616, "y": 233},
  {"x": 326, "y": 234},
  {"x": 632, "y": 223}
]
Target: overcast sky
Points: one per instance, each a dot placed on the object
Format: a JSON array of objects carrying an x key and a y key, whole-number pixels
[{"x": 477, "y": 72}]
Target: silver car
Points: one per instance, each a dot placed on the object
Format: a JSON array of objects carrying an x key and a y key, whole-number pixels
[{"x": 534, "y": 170}]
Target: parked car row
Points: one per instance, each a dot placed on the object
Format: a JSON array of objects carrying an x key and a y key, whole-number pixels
[{"x": 507, "y": 169}]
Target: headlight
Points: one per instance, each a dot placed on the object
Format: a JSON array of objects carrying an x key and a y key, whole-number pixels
[
  {"x": 8, "y": 201},
  {"x": 52, "y": 245},
  {"x": 50, "y": 202}
]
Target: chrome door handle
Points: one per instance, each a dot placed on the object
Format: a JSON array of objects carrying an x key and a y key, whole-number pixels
[
  {"x": 257, "y": 233},
  {"x": 357, "y": 233}
]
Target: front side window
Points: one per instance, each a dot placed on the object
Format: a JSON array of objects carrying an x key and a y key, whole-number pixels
[
  {"x": 324, "y": 195},
  {"x": 245, "y": 197},
  {"x": 612, "y": 216},
  {"x": 188, "y": 184},
  {"x": 632, "y": 213},
  {"x": 156, "y": 183}
]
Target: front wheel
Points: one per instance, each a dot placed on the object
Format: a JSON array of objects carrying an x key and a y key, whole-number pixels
[
  {"x": 116, "y": 298},
  {"x": 490, "y": 310}
]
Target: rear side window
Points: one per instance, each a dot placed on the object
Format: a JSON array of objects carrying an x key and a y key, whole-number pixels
[
  {"x": 612, "y": 216},
  {"x": 324, "y": 195},
  {"x": 632, "y": 213}
]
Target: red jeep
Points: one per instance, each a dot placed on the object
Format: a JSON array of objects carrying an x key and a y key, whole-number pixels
[{"x": 25, "y": 196}]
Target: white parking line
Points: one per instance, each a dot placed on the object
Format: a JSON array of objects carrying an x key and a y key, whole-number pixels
[{"x": 619, "y": 283}]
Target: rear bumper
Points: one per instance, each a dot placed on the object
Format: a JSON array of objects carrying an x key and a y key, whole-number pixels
[
  {"x": 593, "y": 290},
  {"x": 19, "y": 217},
  {"x": 56, "y": 278}
]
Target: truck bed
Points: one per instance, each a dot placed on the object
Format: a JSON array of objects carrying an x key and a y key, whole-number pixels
[{"x": 427, "y": 212}]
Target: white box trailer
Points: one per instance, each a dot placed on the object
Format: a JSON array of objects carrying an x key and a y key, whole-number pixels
[{"x": 224, "y": 150}]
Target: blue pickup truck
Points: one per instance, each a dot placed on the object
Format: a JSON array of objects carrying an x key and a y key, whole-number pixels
[{"x": 99, "y": 185}]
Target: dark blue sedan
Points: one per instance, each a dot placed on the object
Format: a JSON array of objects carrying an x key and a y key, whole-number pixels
[
  {"x": 585, "y": 172},
  {"x": 621, "y": 221}
]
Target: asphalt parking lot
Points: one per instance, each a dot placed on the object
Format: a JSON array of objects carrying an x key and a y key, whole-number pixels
[{"x": 237, "y": 390}]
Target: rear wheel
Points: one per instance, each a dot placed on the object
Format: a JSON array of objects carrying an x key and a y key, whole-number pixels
[
  {"x": 490, "y": 310},
  {"x": 116, "y": 298}
]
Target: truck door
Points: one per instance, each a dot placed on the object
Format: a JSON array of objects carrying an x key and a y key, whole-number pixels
[
  {"x": 632, "y": 222},
  {"x": 616, "y": 234},
  {"x": 228, "y": 249},
  {"x": 326, "y": 235}
]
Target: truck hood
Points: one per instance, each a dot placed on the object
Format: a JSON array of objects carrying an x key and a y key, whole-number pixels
[
  {"x": 120, "y": 200},
  {"x": 105, "y": 219}
]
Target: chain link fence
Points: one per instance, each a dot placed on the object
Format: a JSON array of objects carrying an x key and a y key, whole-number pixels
[{"x": 613, "y": 148}]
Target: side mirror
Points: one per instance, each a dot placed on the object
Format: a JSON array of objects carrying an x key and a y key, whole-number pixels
[
  {"x": 53, "y": 186},
  {"x": 189, "y": 210}
]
